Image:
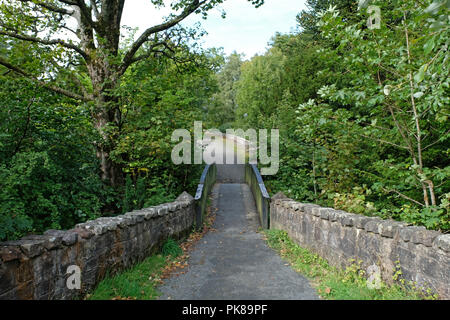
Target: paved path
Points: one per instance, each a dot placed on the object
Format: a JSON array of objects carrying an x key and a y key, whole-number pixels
[
  {"x": 234, "y": 262},
  {"x": 227, "y": 154}
]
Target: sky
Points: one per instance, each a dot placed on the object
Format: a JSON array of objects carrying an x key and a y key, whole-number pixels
[{"x": 246, "y": 29}]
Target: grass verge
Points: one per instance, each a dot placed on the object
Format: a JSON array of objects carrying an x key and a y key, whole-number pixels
[
  {"x": 337, "y": 284},
  {"x": 142, "y": 280},
  {"x": 137, "y": 283}
]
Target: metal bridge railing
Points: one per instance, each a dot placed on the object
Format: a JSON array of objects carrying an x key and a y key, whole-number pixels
[
  {"x": 207, "y": 181},
  {"x": 262, "y": 199}
]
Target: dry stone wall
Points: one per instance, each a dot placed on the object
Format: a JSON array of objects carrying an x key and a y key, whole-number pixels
[
  {"x": 36, "y": 267},
  {"x": 338, "y": 236}
]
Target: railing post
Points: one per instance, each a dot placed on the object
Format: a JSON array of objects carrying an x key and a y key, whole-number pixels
[
  {"x": 207, "y": 180},
  {"x": 262, "y": 199}
]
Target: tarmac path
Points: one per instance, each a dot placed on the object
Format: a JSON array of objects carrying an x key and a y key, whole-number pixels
[{"x": 233, "y": 262}]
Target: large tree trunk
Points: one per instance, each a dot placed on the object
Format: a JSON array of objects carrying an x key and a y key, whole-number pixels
[
  {"x": 107, "y": 118},
  {"x": 98, "y": 29},
  {"x": 103, "y": 71},
  {"x": 111, "y": 171}
]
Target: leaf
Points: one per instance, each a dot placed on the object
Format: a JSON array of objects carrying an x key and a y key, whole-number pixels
[
  {"x": 434, "y": 7},
  {"x": 429, "y": 46},
  {"x": 420, "y": 75},
  {"x": 417, "y": 95}
]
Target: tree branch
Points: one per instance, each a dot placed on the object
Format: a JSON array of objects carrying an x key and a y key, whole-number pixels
[
  {"x": 128, "y": 59},
  {"x": 384, "y": 141},
  {"x": 50, "y": 7},
  {"x": 403, "y": 196},
  {"x": 68, "y": 2},
  {"x": 46, "y": 42},
  {"x": 95, "y": 8},
  {"x": 42, "y": 83},
  {"x": 25, "y": 130},
  {"x": 436, "y": 142},
  {"x": 147, "y": 54},
  {"x": 85, "y": 12}
]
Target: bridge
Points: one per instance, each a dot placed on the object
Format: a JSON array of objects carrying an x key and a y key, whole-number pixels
[{"x": 233, "y": 262}]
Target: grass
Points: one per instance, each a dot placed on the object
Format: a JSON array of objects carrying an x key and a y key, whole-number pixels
[
  {"x": 337, "y": 284},
  {"x": 171, "y": 248},
  {"x": 140, "y": 282}
]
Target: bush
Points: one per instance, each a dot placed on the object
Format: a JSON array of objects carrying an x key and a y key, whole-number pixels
[{"x": 49, "y": 176}]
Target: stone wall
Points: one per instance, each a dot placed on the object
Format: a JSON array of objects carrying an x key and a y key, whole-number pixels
[
  {"x": 36, "y": 267},
  {"x": 338, "y": 236}
]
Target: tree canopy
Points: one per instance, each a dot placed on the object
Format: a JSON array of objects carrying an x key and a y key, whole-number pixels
[
  {"x": 362, "y": 112},
  {"x": 89, "y": 106}
]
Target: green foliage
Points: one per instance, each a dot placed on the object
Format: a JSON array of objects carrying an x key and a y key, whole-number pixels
[
  {"x": 400, "y": 112},
  {"x": 355, "y": 202},
  {"x": 48, "y": 171},
  {"x": 308, "y": 19},
  {"x": 362, "y": 112},
  {"x": 223, "y": 105},
  {"x": 159, "y": 97},
  {"x": 135, "y": 194},
  {"x": 171, "y": 248},
  {"x": 139, "y": 282}
]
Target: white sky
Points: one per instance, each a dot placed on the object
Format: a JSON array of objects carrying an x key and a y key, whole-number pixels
[{"x": 245, "y": 29}]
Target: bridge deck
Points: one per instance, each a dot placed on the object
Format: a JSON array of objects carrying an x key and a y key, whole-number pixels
[{"x": 234, "y": 261}]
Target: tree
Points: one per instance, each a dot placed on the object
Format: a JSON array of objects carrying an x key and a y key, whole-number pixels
[
  {"x": 49, "y": 175},
  {"x": 259, "y": 90},
  {"x": 400, "y": 88},
  {"x": 224, "y": 104},
  {"x": 362, "y": 112},
  {"x": 308, "y": 19},
  {"x": 95, "y": 61}
]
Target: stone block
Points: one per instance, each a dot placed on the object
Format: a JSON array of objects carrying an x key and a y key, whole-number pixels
[
  {"x": 185, "y": 197},
  {"x": 348, "y": 219},
  {"x": 68, "y": 238},
  {"x": 407, "y": 234},
  {"x": 172, "y": 207},
  {"x": 315, "y": 211},
  {"x": 286, "y": 203},
  {"x": 50, "y": 241},
  {"x": 296, "y": 206},
  {"x": 389, "y": 228},
  {"x": 443, "y": 242},
  {"x": 425, "y": 237},
  {"x": 308, "y": 207},
  {"x": 360, "y": 221},
  {"x": 372, "y": 225},
  {"x": 162, "y": 210},
  {"x": 84, "y": 233},
  {"x": 279, "y": 195},
  {"x": 325, "y": 213},
  {"x": 10, "y": 252},
  {"x": 31, "y": 248}
]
